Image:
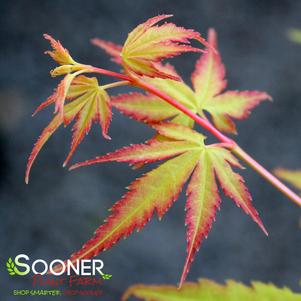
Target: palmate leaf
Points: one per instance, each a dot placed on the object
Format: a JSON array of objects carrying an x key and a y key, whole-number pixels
[
  {"x": 149, "y": 43},
  {"x": 156, "y": 190},
  {"x": 207, "y": 290},
  {"x": 87, "y": 102},
  {"x": 293, "y": 177},
  {"x": 207, "y": 95}
]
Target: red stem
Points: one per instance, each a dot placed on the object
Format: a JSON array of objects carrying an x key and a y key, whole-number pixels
[
  {"x": 231, "y": 144},
  {"x": 266, "y": 174},
  {"x": 109, "y": 73}
]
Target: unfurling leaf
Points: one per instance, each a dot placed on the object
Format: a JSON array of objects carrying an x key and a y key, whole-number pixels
[
  {"x": 62, "y": 57},
  {"x": 87, "y": 102},
  {"x": 207, "y": 290},
  {"x": 148, "y": 44},
  {"x": 59, "y": 53},
  {"x": 293, "y": 177},
  {"x": 68, "y": 65},
  {"x": 207, "y": 95},
  {"x": 157, "y": 190}
]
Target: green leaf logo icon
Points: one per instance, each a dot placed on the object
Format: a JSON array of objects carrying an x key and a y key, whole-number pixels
[
  {"x": 10, "y": 265},
  {"x": 12, "y": 269}
]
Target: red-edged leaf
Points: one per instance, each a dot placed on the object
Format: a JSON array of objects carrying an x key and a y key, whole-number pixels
[
  {"x": 59, "y": 53},
  {"x": 157, "y": 189},
  {"x": 147, "y": 45},
  {"x": 88, "y": 102},
  {"x": 70, "y": 111}
]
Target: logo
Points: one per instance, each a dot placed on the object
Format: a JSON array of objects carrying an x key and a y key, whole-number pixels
[
  {"x": 22, "y": 266},
  {"x": 11, "y": 268}
]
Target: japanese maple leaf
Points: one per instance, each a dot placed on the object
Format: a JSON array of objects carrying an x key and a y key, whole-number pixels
[
  {"x": 186, "y": 156},
  {"x": 148, "y": 44},
  {"x": 208, "y": 290},
  {"x": 207, "y": 95},
  {"x": 87, "y": 102}
]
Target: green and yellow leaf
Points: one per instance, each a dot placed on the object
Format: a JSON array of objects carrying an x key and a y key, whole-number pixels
[
  {"x": 207, "y": 290},
  {"x": 149, "y": 43},
  {"x": 87, "y": 102},
  {"x": 156, "y": 190}
]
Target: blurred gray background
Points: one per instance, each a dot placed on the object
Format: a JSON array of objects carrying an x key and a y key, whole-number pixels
[{"x": 59, "y": 210}]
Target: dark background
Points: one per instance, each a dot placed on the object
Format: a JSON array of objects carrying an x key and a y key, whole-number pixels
[{"x": 59, "y": 210}]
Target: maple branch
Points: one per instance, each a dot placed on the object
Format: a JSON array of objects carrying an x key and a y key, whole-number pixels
[
  {"x": 231, "y": 144},
  {"x": 147, "y": 87}
]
